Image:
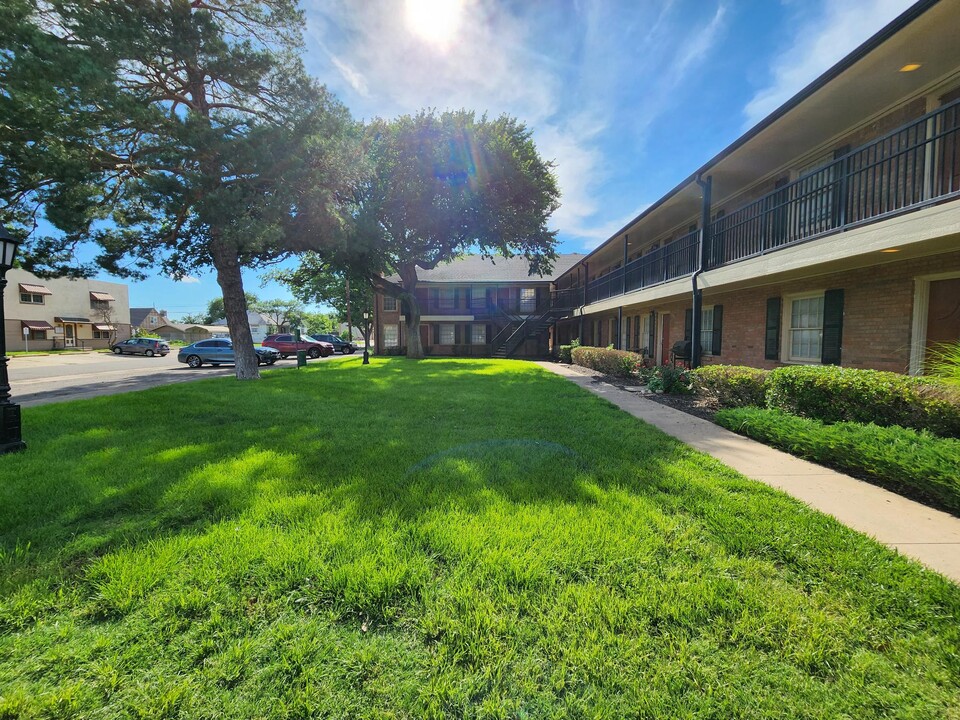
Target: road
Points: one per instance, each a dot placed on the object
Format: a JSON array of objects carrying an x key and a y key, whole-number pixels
[{"x": 36, "y": 380}]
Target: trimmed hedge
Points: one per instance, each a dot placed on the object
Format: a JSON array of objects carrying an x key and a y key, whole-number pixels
[
  {"x": 900, "y": 458},
  {"x": 835, "y": 394},
  {"x": 731, "y": 385},
  {"x": 618, "y": 363},
  {"x": 565, "y": 354}
]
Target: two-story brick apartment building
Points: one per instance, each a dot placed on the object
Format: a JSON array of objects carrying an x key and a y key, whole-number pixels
[
  {"x": 477, "y": 306},
  {"x": 62, "y": 313},
  {"x": 829, "y": 233}
]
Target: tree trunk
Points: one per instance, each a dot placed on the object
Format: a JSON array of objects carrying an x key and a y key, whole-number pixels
[
  {"x": 408, "y": 277},
  {"x": 235, "y": 308}
]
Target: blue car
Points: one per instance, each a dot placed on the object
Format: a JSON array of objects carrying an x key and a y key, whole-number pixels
[{"x": 219, "y": 351}]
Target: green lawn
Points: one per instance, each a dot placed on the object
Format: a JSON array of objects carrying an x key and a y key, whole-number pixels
[{"x": 448, "y": 538}]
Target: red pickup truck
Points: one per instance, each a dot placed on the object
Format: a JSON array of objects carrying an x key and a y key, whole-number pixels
[{"x": 287, "y": 345}]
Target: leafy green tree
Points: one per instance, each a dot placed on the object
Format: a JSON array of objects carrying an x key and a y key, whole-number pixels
[
  {"x": 441, "y": 185},
  {"x": 315, "y": 281},
  {"x": 181, "y": 134},
  {"x": 319, "y": 323},
  {"x": 216, "y": 312},
  {"x": 283, "y": 314}
]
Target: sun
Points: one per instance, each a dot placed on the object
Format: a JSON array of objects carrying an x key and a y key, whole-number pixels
[{"x": 435, "y": 21}]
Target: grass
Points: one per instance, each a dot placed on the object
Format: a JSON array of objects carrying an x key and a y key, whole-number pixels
[
  {"x": 915, "y": 463},
  {"x": 448, "y": 538}
]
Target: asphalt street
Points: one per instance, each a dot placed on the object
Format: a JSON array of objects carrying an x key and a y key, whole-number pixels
[{"x": 36, "y": 380}]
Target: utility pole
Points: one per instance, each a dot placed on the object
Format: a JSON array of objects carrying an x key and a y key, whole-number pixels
[{"x": 346, "y": 282}]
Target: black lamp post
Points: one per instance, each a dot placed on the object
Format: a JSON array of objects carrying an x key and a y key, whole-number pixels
[
  {"x": 366, "y": 343},
  {"x": 10, "y": 439}
]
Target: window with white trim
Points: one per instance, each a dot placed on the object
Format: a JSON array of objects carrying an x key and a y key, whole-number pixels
[
  {"x": 389, "y": 303},
  {"x": 31, "y": 298},
  {"x": 528, "y": 299},
  {"x": 478, "y": 297},
  {"x": 391, "y": 335},
  {"x": 706, "y": 331},
  {"x": 445, "y": 299},
  {"x": 448, "y": 334},
  {"x": 478, "y": 334},
  {"x": 803, "y": 322}
]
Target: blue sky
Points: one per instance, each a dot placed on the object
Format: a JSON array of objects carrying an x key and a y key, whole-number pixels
[{"x": 627, "y": 98}]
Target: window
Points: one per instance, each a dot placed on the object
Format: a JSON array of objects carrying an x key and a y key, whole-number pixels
[
  {"x": 478, "y": 334},
  {"x": 804, "y": 322},
  {"x": 528, "y": 299},
  {"x": 31, "y": 298},
  {"x": 389, "y": 305},
  {"x": 391, "y": 335},
  {"x": 445, "y": 299},
  {"x": 613, "y": 331},
  {"x": 706, "y": 331},
  {"x": 478, "y": 297},
  {"x": 101, "y": 334},
  {"x": 152, "y": 319},
  {"x": 448, "y": 334}
]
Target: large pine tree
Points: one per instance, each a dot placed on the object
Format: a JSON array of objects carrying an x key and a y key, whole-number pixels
[{"x": 174, "y": 134}]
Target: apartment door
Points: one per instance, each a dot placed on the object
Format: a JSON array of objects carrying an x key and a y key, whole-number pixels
[
  {"x": 69, "y": 335},
  {"x": 943, "y": 313},
  {"x": 663, "y": 339}
]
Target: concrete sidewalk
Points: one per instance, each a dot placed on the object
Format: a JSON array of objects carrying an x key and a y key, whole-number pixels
[{"x": 925, "y": 534}]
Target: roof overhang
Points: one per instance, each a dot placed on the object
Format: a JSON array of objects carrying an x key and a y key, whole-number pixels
[
  {"x": 103, "y": 296},
  {"x": 36, "y": 324},
  {"x": 34, "y": 289}
]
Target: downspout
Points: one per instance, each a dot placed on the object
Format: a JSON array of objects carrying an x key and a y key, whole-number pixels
[{"x": 706, "y": 187}]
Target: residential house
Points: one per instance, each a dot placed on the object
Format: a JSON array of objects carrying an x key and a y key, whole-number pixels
[
  {"x": 260, "y": 325},
  {"x": 58, "y": 313},
  {"x": 829, "y": 233},
  {"x": 148, "y": 319},
  {"x": 476, "y": 306},
  {"x": 190, "y": 332}
]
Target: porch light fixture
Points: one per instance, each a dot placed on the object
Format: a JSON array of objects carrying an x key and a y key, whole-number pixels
[
  {"x": 366, "y": 343},
  {"x": 910, "y": 67},
  {"x": 10, "y": 434}
]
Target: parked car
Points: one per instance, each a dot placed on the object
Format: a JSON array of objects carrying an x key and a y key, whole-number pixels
[
  {"x": 219, "y": 351},
  {"x": 287, "y": 345},
  {"x": 339, "y": 344},
  {"x": 141, "y": 346}
]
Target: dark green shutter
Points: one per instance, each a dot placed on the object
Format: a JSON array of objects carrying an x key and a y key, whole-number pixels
[
  {"x": 717, "y": 328},
  {"x": 436, "y": 334},
  {"x": 688, "y": 324},
  {"x": 456, "y": 334},
  {"x": 489, "y": 334},
  {"x": 652, "y": 346},
  {"x": 772, "y": 340},
  {"x": 626, "y": 332},
  {"x": 456, "y": 297},
  {"x": 832, "y": 327},
  {"x": 434, "y": 298}
]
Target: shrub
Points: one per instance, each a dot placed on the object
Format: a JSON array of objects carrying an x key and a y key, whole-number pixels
[
  {"x": 944, "y": 363},
  {"x": 669, "y": 379},
  {"x": 565, "y": 354},
  {"x": 897, "y": 457},
  {"x": 610, "y": 362},
  {"x": 731, "y": 385},
  {"x": 834, "y": 394}
]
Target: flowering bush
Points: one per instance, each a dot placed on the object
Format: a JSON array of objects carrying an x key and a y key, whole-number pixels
[{"x": 669, "y": 379}]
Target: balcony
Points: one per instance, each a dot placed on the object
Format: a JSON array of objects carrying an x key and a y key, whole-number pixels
[
  {"x": 910, "y": 168},
  {"x": 674, "y": 260}
]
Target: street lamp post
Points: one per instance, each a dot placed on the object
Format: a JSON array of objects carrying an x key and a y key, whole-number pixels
[
  {"x": 366, "y": 343},
  {"x": 10, "y": 435}
]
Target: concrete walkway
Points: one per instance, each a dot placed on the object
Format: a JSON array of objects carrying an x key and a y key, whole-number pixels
[{"x": 925, "y": 534}]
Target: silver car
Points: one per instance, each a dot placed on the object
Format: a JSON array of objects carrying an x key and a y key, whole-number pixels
[
  {"x": 141, "y": 346},
  {"x": 218, "y": 351}
]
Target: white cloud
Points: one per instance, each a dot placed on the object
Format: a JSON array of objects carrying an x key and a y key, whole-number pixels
[
  {"x": 186, "y": 279},
  {"x": 562, "y": 70},
  {"x": 819, "y": 42}
]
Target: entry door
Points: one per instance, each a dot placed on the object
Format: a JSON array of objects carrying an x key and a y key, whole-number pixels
[
  {"x": 69, "y": 339},
  {"x": 943, "y": 313},
  {"x": 663, "y": 339}
]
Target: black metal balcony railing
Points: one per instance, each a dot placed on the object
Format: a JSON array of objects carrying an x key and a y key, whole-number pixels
[
  {"x": 673, "y": 260},
  {"x": 912, "y": 167}
]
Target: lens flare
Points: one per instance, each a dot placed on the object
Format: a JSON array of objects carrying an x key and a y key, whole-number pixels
[{"x": 435, "y": 21}]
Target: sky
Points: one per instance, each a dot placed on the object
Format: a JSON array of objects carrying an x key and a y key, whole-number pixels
[{"x": 627, "y": 98}]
